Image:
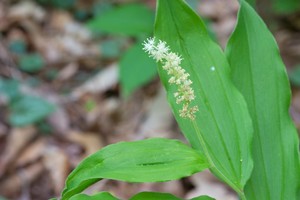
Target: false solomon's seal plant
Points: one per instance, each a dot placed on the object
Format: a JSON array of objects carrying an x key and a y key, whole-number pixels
[{"x": 232, "y": 107}]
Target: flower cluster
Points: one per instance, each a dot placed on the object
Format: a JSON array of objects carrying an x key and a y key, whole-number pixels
[{"x": 160, "y": 51}]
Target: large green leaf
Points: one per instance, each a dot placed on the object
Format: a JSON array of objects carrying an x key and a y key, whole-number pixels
[
  {"x": 131, "y": 20},
  {"x": 260, "y": 75},
  {"x": 149, "y": 160},
  {"x": 136, "y": 69},
  {"x": 222, "y": 129},
  {"x": 139, "y": 196},
  {"x": 99, "y": 196},
  {"x": 162, "y": 196}
]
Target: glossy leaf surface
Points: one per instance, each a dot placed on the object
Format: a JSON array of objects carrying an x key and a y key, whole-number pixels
[
  {"x": 222, "y": 129},
  {"x": 260, "y": 75},
  {"x": 150, "y": 160}
]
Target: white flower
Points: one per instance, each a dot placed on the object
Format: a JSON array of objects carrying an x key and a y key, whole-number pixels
[
  {"x": 162, "y": 47},
  {"x": 171, "y": 61},
  {"x": 149, "y": 45}
]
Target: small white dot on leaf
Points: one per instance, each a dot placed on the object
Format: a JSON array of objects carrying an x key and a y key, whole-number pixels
[{"x": 212, "y": 68}]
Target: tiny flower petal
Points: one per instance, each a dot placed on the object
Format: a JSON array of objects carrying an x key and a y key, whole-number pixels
[{"x": 171, "y": 61}]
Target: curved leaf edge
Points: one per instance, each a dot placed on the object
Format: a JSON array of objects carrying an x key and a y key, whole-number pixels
[
  {"x": 195, "y": 162},
  {"x": 139, "y": 196}
]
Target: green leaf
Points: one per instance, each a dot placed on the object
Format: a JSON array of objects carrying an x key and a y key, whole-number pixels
[
  {"x": 154, "y": 195},
  {"x": 9, "y": 88},
  {"x": 130, "y": 20},
  {"x": 136, "y": 69},
  {"x": 286, "y": 6},
  {"x": 149, "y": 160},
  {"x": 162, "y": 196},
  {"x": 139, "y": 196},
  {"x": 222, "y": 129},
  {"x": 203, "y": 198},
  {"x": 65, "y": 4},
  {"x": 260, "y": 75},
  {"x": 31, "y": 62},
  {"x": 251, "y": 2},
  {"x": 99, "y": 196},
  {"x": 18, "y": 46},
  {"x": 111, "y": 48},
  {"x": 28, "y": 110}
]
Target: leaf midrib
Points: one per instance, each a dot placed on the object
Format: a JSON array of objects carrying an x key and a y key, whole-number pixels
[
  {"x": 256, "y": 112},
  {"x": 212, "y": 114}
]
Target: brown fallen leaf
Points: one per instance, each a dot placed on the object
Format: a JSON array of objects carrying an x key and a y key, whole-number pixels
[
  {"x": 59, "y": 120},
  {"x": 32, "y": 153},
  {"x": 3, "y": 130},
  {"x": 90, "y": 142},
  {"x": 68, "y": 71},
  {"x": 101, "y": 82},
  {"x": 158, "y": 119},
  {"x": 206, "y": 184},
  {"x": 15, "y": 183},
  {"x": 59, "y": 19},
  {"x": 16, "y": 141},
  {"x": 218, "y": 9},
  {"x": 56, "y": 162},
  {"x": 27, "y": 9}
]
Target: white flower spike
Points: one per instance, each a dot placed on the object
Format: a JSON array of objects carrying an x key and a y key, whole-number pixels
[{"x": 160, "y": 51}]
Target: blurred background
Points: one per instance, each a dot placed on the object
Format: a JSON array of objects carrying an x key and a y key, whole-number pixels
[{"x": 74, "y": 78}]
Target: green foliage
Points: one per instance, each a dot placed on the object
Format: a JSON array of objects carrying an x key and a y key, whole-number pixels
[
  {"x": 149, "y": 160},
  {"x": 136, "y": 69},
  {"x": 64, "y": 4},
  {"x": 111, "y": 48},
  {"x": 242, "y": 97},
  {"x": 102, "y": 7},
  {"x": 99, "y": 196},
  {"x": 17, "y": 46},
  {"x": 9, "y": 88},
  {"x": 222, "y": 129},
  {"x": 24, "y": 110},
  {"x": 31, "y": 62},
  {"x": 136, "y": 20},
  {"x": 294, "y": 76},
  {"x": 90, "y": 105},
  {"x": 28, "y": 110},
  {"x": 286, "y": 6},
  {"x": 162, "y": 196},
  {"x": 203, "y": 198},
  {"x": 153, "y": 195},
  {"x": 129, "y": 20},
  {"x": 139, "y": 196},
  {"x": 251, "y": 2},
  {"x": 260, "y": 75}
]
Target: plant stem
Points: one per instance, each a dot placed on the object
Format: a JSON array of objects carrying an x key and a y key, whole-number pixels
[{"x": 213, "y": 166}]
